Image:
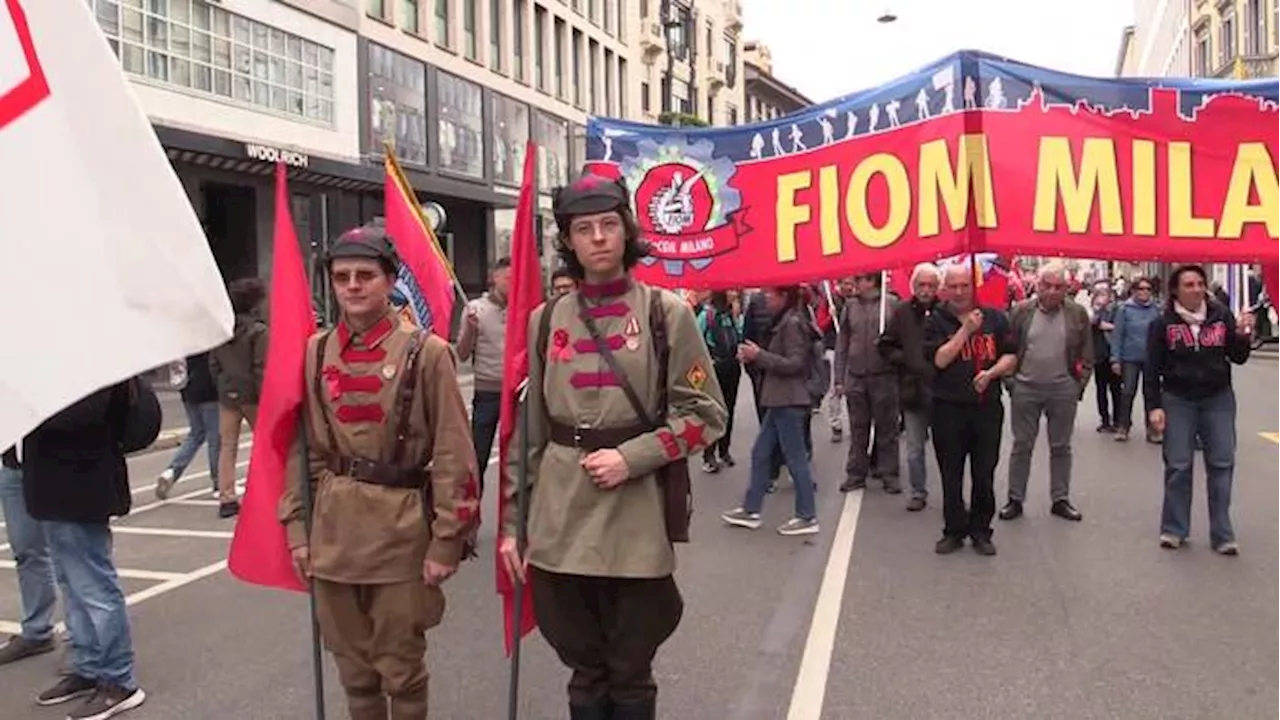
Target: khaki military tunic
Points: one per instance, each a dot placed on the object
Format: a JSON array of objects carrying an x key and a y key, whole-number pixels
[
  {"x": 372, "y": 534},
  {"x": 574, "y": 526}
]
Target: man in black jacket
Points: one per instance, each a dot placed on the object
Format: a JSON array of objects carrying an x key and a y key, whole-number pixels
[
  {"x": 902, "y": 345},
  {"x": 75, "y": 480}
]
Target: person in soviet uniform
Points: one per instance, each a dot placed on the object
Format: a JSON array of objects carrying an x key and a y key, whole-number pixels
[
  {"x": 393, "y": 474},
  {"x": 599, "y": 559}
]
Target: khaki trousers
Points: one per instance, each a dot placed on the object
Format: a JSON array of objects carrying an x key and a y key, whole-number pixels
[
  {"x": 229, "y": 421},
  {"x": 377, "y": 634}
]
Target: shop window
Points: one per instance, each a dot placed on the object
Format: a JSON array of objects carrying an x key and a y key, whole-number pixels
[
  {"x": 397, "y": 104},
  {"x": 552, "y": 135},
  {"x": 461, "y": 137},
  {"x": 203, "y": 48},
  {"x": 510, "y": 127}
]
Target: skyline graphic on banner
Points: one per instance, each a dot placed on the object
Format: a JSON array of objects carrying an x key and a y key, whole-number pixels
[{"x": 966, "y": 80}]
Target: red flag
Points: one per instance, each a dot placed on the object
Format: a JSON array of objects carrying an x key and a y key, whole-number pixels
[
  {"x": 419, "y": 249},
  {"x": 259, "y": 549},
  {"x": 525, "y": 296},
  {"x": 1271, "y": 282}
]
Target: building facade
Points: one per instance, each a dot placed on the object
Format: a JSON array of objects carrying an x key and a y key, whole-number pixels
[
  {"x": 767, "y": 97},
  {"x": 1234, "y": 38},
  {"x": 456, "y": 87}
]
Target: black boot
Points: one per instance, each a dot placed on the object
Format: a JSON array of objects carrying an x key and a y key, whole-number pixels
[
  {"x": 599, "y": 710},
  {"x": 643, "y": 710}
]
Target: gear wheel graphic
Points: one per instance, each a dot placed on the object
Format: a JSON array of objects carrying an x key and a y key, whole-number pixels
[{"x": 699, "y": 155}]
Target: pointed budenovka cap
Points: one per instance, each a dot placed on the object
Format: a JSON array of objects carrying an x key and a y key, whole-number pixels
[
  {"x": 588, "y": 195},
  {"x": 367, "y": 241}
]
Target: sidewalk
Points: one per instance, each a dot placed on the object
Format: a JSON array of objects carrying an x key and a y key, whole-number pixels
[{"x": 172, "y": 437}]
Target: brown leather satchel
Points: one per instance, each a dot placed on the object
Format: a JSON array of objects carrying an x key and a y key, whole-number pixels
[{"x": 673, "y": 478}]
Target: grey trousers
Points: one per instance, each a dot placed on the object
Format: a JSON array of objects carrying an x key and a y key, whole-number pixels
[
  {"x": 873, "y": 402},
  {"x": 1057, "y": 403},
  {"x": 916, "y": 423}
]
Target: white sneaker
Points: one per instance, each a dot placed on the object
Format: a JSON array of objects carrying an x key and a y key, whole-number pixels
[
  {"x": 1170, "y": 542},
  {"x": 742, "y": 518},
  {"x": 797, "y": 526},
  {"x": 164, "y": 484}
]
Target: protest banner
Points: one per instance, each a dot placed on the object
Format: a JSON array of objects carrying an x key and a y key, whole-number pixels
[{"x": 971, "y": 154}]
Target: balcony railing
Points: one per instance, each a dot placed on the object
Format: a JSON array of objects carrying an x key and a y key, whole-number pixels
[{"x": 1248, "y": 67}]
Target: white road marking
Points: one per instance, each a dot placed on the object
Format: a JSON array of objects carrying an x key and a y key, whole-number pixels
[
  {"x": 197, "y": 503},
  {"x": 810, "y": 689},
  {"x": 171, "y": 532},
  {"x": 131, "y": 573},
  {"x": 13, "y": 628}
]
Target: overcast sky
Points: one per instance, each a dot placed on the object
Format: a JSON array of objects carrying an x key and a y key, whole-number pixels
[{"x": 826, "y": 48}]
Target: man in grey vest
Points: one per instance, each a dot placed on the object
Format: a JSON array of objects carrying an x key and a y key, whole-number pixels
[{"x": 483, "y": 340}]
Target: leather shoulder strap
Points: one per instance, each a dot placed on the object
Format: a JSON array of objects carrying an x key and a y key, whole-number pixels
[
  {"x": 544, "y": 326},
  {"x": 661, "y": 347},
  {"x": 606, "y": 354},
  {"x": 317, "y": 390},
  {"x": 404, "y": 398}
]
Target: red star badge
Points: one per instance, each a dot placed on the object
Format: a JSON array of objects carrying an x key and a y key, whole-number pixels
[{"x": 692, "y": 435}]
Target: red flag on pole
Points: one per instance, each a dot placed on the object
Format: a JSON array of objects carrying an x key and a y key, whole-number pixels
[
  {"x": 420, "y": 251},
  {"x": 259, "y": 549},
  {"x": 525, "y": 295}
]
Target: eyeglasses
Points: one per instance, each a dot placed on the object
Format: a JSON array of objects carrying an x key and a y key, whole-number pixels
[{"x": 361, "y": 277}]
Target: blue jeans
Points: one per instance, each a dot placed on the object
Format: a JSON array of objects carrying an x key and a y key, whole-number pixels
[
  {"x": 1214, "y": 420},
  {"x": 31, "y": 554},
  {"x": 782, "y": 427},
  {"x": 101, "y": 645},
  {"x": 202, "y": 421},
  {"x": 916, "y": 424}
]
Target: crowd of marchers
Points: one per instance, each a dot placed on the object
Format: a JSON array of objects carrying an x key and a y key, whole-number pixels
[{"x": 627, "y": 383}]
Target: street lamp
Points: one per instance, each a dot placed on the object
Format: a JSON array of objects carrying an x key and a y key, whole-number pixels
[{"x": 887, "y": 17}]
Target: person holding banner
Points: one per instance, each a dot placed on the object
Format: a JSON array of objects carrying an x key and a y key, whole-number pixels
[
  {"x": 621, "y": 392},
  {"x": 1191, "y": 349},
  {"x": 870, "y": 388},
  {"x": 972, "y": 349},
  {"x": 392, "y": 461}
]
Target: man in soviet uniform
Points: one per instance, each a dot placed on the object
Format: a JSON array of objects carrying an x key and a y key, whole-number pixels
[
  {"x": 394, "y": 489},
  {"x": 600, "y": 560}
]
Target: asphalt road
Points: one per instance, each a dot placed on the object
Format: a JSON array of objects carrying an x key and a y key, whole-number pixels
[{"x": 1088, "y": 620}]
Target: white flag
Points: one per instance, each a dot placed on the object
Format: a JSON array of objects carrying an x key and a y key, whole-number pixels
[{"x": 104, "y": 269}]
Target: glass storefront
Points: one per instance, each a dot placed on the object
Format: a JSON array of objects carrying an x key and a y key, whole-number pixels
[
  {"x": 461, "y": 131},
  {"x": 552, "y": 136},
  {"x": 397, "y": 104},
  {"x": 509, "y": 128}
]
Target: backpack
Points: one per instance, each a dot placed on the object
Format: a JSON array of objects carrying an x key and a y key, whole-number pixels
[
  {"x": 721, "y": 337},
  {"x": 142, "y": 417}
]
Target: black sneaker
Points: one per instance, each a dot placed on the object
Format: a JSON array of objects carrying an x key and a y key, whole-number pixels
[
  {"x": 711, "y": 467},
  {"x": 18, "y": 648},
  {"x": 984, "y": 546},
  {"x": 107, "y": 702},
  {"x": 916, "y": 504},
  {"x": 948, "y": 544},
  {"x": 69, "y": 687},
  {"x": 727, "y": 460},
  {"x": 228, "y": 509},
  {"x": 850, "y": 485},
  {"x": 1065, "y": 510},
  {"x": 1011, "y": 510}
]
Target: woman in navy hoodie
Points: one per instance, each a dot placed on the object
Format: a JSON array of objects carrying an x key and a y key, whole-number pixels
[{"x": 1188, "y": 379}]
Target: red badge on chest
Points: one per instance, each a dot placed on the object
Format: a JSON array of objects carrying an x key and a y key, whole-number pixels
[
  {"x": 332, "y": 382},
  {"x": 561, "y": 349}
]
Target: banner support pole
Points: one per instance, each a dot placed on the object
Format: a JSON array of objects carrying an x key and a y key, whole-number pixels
[{"x": 308, "y": 507}]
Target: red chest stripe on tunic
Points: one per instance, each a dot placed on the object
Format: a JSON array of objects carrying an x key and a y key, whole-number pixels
[
  {"x": 608, "y": 310},
  {"x": 587, "y": 345},
  {"x": 353, "y": 356},
  {"x": 581, "y": 380},
  {"x": 354, "y": 383},
  {"x": 358, "y": 413}
]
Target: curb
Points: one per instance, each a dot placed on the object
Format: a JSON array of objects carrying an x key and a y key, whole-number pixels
[{"x": 169, "y": 439}]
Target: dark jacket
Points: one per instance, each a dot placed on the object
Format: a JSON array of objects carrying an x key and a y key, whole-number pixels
[
  {"x": 787, "y": 361},
  {"x": 902, "y": 346},
  {"x": 73, "y": 469},
  {"x": 1190, "y": 367},
  {"x": 856, "y": 352},
  {"x": 200, "y": 387},
  {"x": 238, "y": 365},
  {"x": 1079, "y": 357},
  {"x": 1102, "y": 338},
  {"x": 954, "y": 383}
]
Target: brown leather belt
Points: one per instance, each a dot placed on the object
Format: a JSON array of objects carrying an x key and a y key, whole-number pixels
[
  {"x": 376, "y": 473},
  {"x": 592, "y": 439}
]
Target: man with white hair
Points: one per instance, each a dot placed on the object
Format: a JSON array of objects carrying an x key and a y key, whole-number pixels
[
  {"x": 1055, "y": 359},
  {"x": 902, "y": 345},
  {"x": 972, "y": 349}
]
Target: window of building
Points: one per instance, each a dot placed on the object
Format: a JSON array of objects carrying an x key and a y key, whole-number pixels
[
  {"x": 644, "y": 97},
  {"x": 730, "y": 114},
  {"x": 195, "y": 46},
  {"x": 730, "y": 61},
  {"x": 461, "y": 137},
  {"x": 678, "y": 40},
  {"x": 552, "y": 136},
  {"x": 622, "y": 20},
  {"x": 539, "y": 47},
  {"x": 608, "y": 16},
  {"x": 397, "y": 104},
  {"x": 710, "y": 45},
  {"x": 576, "y": 49},
  {"x": 622, "y": 87},
  {"x": 608, "y": 84},
  {"x": 644, "y": 9},
  {"x": 377, "y": 8},
  {"x": 593, "y": 11},
  {"x": 681, "y": 94},
  {"x": 510, "y": 126},
  {"x": 495, "y": 35},
  {"x": 409, "y": 16},
  {"x": 1202, "y": 59},
  {"x": 711, "y": 108},
  {"x": 442, "y": 24},
  {"x": 558, "y": 61},
  {"x": 517, "y": 37},
  {"x": 470, "y": 36},
  {"x": 1255, "y": 28},
  {"x": 1227, "y": 36},
  {"x": 593, "y": 74},
  {"x": 577, "y": 6}
]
